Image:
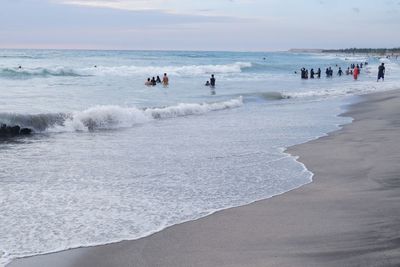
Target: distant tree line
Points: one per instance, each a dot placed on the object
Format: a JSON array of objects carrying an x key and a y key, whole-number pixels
[{"x": 364, "y": 50}]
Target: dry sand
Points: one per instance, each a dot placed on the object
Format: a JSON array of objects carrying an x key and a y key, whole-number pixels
[{"x": 349, "y": 215}]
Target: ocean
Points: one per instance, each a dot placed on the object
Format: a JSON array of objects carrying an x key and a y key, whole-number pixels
[{"x": 111, "y": 159}]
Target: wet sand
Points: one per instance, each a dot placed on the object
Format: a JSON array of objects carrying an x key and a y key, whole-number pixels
[{"x": 349, "y": 215}]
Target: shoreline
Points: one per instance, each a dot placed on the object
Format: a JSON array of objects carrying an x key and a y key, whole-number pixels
[{"x": 329, "y": 222}]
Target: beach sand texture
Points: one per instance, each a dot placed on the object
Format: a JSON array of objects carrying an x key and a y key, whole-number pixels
[{"x": 349, "y": 215}]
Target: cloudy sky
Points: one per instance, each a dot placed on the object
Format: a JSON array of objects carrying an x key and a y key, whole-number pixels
[{"x": 243, "y": 25}]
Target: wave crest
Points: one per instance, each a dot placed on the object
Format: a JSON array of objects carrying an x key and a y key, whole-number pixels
[
  {"x": 188, "y": 70},
  {"x": 111, "y": 117},
  {"x": 23, "y": 73}
]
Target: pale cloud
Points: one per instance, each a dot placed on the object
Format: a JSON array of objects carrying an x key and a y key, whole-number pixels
[
  {"x": 198, "y": 24},
  {"x": 121, "y": 4},
  {"x": 209, "y": 7}
]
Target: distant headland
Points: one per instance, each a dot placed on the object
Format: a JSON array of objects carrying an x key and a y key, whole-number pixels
[{"x": 374, "y": 51}]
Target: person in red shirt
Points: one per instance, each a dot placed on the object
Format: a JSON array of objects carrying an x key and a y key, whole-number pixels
[{"x": 356, "y": 72}]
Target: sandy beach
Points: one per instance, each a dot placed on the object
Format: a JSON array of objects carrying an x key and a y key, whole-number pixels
[{"x": 349, "y": 215}]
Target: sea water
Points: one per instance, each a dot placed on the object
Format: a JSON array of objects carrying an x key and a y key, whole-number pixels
[{"x": 111, "y": 159}]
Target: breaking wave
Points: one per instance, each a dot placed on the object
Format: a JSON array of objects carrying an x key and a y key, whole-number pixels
[
  {"x": 189, "y": 70},
  {"x": 111, "y": 117},
  {"x": 24, "y": 73},
  {"x": 348, "y": 90}
]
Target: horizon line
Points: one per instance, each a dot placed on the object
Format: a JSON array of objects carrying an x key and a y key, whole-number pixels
[{"x": 144, "y": 50}]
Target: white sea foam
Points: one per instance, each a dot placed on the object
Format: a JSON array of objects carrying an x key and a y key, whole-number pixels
[
  {"x": 343, "y": 57},
  {"x": 37, "y": 72},
  {"x": 188, "y": 70},
  {"x": 76, "y": 190},
  {"x": 346, "y": 90},
  {"x": 111, "y": 117}
]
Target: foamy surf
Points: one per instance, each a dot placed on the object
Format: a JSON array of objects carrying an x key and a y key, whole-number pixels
[
  {"x": 111, "y": 117},
  {"x": 357, "y": 89},
  {"x": 25, "y": 73},
  {"x": 72, "y": 190},
  {"x": 129, "y": 70},
  {"x": 188, "y": 70}
]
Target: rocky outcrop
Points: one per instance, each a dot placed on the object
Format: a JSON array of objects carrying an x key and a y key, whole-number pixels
[{"x": 11, "y": 131}]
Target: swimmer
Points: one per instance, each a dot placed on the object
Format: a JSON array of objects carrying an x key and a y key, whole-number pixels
[
  {"x": 340, "y": 72},
  {"x": 148, "y": 82},
  {"x": 165, "y": 80},
  {"x": 212, "y": 81},
  {"x": 381, "y": 72},
  {"x": 319, "y": 73}
]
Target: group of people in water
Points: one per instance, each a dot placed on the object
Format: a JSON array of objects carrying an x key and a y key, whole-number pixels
[
  {"x": 154, "y": 81},
  {"x": 353, "y": 69},
  {"x": 165, "y": 81},
  {"x": 304, "y": 73},
  {"x": 211, "y": 82}
]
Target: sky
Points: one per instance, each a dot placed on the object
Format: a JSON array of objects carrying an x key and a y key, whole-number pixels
[{"x": 211, "y": 25}]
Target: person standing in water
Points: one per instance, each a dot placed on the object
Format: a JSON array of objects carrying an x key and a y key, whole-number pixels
[
  {"x": 212, "y": 80},
  {"x": 340, "y": 72},
  {"x": 381, "y": 72},
  {"x": 356, "y": 72},
  {"x": 153, "y": 81},
  {"x": 319, "y": 73},
  {"x": 165, "y": 80}
]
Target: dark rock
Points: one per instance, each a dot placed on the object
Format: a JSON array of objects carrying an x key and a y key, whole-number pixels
[
  {"x": 25, "y": 131},
  {"x": 14, "y": 130},
  {"x": 11, "y": 131}
]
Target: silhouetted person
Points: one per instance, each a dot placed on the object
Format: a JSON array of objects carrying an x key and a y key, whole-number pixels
[
  {"x": 319, "y": 73},
  {"x": 312, "y": 74},
  {"x": 158, "y": 80},
  {"x": 381, "y": 72},
  {"x": 153, "y": 81},
  {"x": 340, "y": 72},
  {"x": 212, "y": 80}
]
